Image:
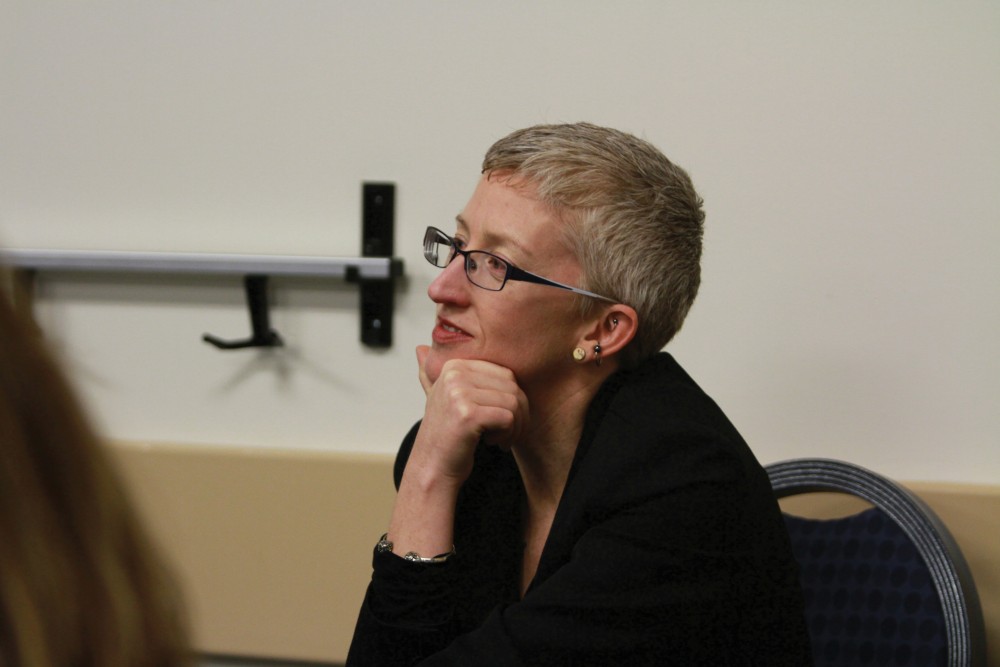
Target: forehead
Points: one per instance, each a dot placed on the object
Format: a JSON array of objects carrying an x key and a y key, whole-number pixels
[{"x": 506, "y": 213}]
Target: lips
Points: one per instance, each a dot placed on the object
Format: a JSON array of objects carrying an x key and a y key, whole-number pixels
[{"x": 447, "y": 332}]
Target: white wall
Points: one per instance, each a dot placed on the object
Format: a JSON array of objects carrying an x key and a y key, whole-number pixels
[{"x": 848, "y": 153}]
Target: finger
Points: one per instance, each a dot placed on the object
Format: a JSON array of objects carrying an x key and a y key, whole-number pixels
[
  {"x": 462, "y": 378},
  {"x": 477, "y": 373},
  {"x": 497, "y": 414},
  {"x": 511, "y": 431}
]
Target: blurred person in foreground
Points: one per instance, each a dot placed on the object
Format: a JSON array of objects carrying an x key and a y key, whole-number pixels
[
  {"x": 81, "y": 584},
  {"x": 571, "y": 496}
]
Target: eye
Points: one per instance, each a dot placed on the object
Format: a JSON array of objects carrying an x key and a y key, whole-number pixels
[
  {"x": 459, "y": 242},
  {"x": 496, "y": 266}
]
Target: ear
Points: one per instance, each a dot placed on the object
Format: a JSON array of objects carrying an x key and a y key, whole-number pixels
[{"x": 613, "y": 329}]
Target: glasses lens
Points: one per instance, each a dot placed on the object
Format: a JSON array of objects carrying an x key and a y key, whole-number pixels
[
  {"x": 438, "y": 249},
  {"x": 486, "y": 270}
]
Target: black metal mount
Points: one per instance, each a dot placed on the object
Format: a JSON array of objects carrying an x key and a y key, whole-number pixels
[{"x": 261, "y": 333}]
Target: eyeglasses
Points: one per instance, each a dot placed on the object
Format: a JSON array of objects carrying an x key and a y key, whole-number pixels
[{"x": 484, "y": 269}]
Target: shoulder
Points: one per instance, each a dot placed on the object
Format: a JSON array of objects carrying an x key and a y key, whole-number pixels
[
  {"x": 660, "y": 393},
  {"x": 660, "y": 402},
  {"x": 654, "y": 427}
]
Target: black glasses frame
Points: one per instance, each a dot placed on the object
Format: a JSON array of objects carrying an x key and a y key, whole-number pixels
[{"x": 434, "y": 236}]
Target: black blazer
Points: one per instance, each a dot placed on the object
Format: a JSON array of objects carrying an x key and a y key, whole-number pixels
[{"x": 667, "y": 548}]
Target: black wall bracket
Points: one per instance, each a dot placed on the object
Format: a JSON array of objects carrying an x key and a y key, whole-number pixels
[{"x": 377, "y": 296}]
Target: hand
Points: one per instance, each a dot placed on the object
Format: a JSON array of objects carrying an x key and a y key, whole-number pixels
[{"x": 469, "y": 400}]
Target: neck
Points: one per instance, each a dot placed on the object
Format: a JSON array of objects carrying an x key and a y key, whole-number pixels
[
  {"x": 545, "y": 454},
  {"x": 544, "y": 471},
  {"x": 544, "y": 459}
]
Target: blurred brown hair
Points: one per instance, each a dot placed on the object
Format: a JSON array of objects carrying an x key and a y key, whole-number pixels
[{"x": 80, "y": 582}]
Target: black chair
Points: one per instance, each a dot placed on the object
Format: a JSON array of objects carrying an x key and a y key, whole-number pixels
[{"x": 886, "y": 586}]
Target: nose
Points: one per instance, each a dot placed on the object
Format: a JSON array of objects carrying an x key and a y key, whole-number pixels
[{"x": 451, "y": 285}]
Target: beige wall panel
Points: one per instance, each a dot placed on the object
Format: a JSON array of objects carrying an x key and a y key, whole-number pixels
[{"x": 274, "y": 547}]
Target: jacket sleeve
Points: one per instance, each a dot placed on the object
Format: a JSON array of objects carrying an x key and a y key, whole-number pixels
[
  {"x": 405, "y": 613},
  {"x": 407, "y": 606},
  {"x": 409, "y": 609}
]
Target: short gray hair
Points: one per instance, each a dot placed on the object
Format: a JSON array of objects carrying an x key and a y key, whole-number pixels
[{"x": 632, "y": 216}]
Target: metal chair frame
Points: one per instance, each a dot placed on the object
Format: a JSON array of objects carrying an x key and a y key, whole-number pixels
[{"x": 963, "y": 617}]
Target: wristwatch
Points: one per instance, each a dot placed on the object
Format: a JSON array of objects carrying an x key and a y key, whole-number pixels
[{"x": 384, "y": 546}]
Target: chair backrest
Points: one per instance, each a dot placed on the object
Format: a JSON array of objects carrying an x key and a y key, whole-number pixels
[{"x": 888, "y": 585}]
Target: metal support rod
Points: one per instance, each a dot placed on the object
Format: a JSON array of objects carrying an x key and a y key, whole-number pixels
[{"x": 367, "y": 268}]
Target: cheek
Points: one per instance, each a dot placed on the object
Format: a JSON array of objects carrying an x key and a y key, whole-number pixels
[{"x": 538, "y": 336}]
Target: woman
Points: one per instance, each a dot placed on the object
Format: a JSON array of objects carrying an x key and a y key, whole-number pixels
[
  {"x": 571, "y": 497},
  {"x": 80, "y": 584}
]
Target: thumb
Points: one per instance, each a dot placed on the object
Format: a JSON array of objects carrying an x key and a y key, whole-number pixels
[{"x": 422, "y": 352}]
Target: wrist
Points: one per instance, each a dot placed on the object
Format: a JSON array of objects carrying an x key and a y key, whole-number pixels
[
  {"x": 423, "y": 516},
  {"x": 385, "y": 545},
  {"x": 441, "y": 458},
  {"x": 429, "y": 480}
]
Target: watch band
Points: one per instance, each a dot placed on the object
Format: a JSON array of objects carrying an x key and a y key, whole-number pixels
[{"x": 384, "y": 546}]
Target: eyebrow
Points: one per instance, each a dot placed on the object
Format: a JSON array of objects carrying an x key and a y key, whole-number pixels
[{"x": 496, "y": 239}]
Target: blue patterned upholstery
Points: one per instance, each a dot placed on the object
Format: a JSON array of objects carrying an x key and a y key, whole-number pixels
[
  {"x": 869, "y": 596},
  {"x": 886, "y": 586}
]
